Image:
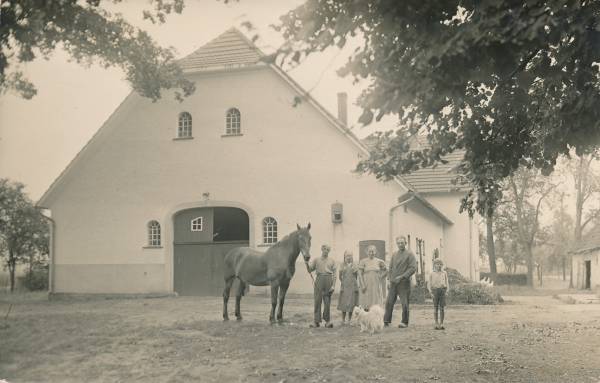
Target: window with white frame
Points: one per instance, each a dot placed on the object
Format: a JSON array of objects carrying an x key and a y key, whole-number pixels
[
  {"x": 184, "y": 129},
  {"x": 153, "y": 233},
  {"x": 233, "y": 122},
  {"x": 269, "y": 230},
  {"x": 197, "y": 224}
]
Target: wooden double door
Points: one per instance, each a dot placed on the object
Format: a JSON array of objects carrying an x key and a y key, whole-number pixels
[{"x": 202, "y": 238}]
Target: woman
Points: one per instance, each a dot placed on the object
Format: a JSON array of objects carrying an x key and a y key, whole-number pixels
[
  {"x": 349, "y": 286},
  {"x": 372, "y": 270}
]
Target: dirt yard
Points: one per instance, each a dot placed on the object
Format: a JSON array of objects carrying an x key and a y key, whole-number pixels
[{"x": 529, "y": 339}]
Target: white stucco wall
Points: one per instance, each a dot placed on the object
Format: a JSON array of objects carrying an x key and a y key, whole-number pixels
[
  {"x": 289, "y": 164},
  {"x": 579, "y": 269},
  {"x": 460, "y": 247},
  {"x": 413, "y": 221}
]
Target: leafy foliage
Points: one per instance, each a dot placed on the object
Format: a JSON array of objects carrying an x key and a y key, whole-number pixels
[
  {"x": 419, "y": 293},
  {"x": 513, "y": 83},
  {"x": 32, "y": 28},
  {"x": 455, "y": 277},
  {"x": 508, "y": 278},
  {"x": 519, "y": 215},
  {"x": 36, "y": 279},
  {"x": 23, "y": 230},
  {"x": 473, "y": 293}
]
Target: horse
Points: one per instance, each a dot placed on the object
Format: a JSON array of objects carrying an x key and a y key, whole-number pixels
[{"x": 275, "y": 267}]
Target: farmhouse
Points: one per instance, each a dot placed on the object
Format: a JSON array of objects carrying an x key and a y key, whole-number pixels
[
  {"x": 163, "y": 190},
  {"x": 585, "y": 257}
]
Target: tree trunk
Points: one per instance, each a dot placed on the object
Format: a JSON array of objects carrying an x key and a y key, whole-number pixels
[
  {"x": 529, "y": 256},
  {"x": 580, "y": 174},
  {"x": 12, "y": 262},
  {"x": 491, "y": 250},
  {"x": 564, "y": 269}
]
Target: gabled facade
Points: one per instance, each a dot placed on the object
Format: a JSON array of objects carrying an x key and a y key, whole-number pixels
[{"x": 153, "y": 202}]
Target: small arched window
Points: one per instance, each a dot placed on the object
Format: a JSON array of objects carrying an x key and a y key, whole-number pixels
[
  {"x": 233, "y": 122},
  {"x": 153, "y": 233},
  {"x": 184, "y": 129},
  {"x": 269, "y": 230}
]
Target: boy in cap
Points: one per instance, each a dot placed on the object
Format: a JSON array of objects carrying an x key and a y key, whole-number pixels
[
  {"x": 438, "y": 285},
  {"x": 324, "y": 285}
]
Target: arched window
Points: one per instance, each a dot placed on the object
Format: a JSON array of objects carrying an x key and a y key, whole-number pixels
[
  {"x": 153, "y": 233},
  {"x": 233, "y": 122},
  {"x": 269, "y": 230},
  {"x": 184, "y": 129}
]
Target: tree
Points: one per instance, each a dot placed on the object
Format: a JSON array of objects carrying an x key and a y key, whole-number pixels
[
  {"x": 526, "y": 192},
  {"x": 513, "y": 83},
  {"x": 561, "y": 236},
  {"x": 586, "y": 189},
  {"x": 88, "y": 33},
  {"x": 508, "y": 248},
  {"x": 490, "y": 247},
  {"x": 23, "y": 229}
]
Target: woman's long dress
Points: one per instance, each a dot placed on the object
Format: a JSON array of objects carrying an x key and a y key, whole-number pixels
[
  {"x": 371, "y": 275},
  {"x": 349, "y": 290}
]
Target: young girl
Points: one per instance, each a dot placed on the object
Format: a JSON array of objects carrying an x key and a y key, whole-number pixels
[
  {"x": 349, "y": 286},
  {"x": 438, "y": 285}
]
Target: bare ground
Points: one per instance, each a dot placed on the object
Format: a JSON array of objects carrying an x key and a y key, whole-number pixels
[{"x": 529, "y": 339}]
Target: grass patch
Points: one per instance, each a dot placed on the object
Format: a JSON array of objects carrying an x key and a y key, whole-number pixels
[{"x": 23, "y": 296}]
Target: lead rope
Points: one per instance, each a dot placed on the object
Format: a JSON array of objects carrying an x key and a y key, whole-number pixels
[{"x": 309, "y": 273}]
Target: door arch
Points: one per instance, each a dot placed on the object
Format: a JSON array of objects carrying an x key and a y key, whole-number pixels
[{"x": 201, "y": 239}]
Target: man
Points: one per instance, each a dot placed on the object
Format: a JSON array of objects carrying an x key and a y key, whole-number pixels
[
  {"x": 324, "y": 285},
  {"x": 402, "y": 266}
]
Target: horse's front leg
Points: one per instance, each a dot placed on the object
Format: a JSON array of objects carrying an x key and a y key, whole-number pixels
[
  {"x": 238, "y": 299},
  {"x": 274, "y": 291},
  {"x": 283, "y": 287},
  {"x": 226, "y": 290}
]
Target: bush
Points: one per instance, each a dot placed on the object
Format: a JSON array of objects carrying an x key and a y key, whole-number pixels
[
  {"x": 507, "y": 278},
  {"x": 473, "y": 293},
  {"x": 454, "y": 277},
  {"x": 36, "y": 279},
  {"x": 419, "y": 293},
  {"x": 463, "y": 291}
]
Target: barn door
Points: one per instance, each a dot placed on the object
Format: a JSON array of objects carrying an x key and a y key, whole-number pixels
[{"x": 203, "y": 236}]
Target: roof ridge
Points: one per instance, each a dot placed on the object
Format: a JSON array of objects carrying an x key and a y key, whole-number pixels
[{"x": 229, "y": 49}]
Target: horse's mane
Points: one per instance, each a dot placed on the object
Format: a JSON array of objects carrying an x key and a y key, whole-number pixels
[{"x": 284, "y": 241}]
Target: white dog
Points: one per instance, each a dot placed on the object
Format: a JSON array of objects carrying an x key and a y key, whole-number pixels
[{"x": 371, "y": 320}]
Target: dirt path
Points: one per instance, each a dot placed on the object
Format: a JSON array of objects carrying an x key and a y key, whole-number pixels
[{"x": 530, "y": 339}]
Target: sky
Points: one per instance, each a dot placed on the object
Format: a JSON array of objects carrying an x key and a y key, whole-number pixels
[{"x": 39, "y": 137}]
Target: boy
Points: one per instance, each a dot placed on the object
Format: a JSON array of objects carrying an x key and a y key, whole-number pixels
[
  {"x": 438, "y": 285},
  {"x": 324, "y": 285}
]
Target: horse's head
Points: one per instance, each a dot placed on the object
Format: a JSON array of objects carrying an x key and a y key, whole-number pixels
[{"x": 304, "y": 241}]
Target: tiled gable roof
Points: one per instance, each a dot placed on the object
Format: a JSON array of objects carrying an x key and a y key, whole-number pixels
[
  {"x": 438, "y": 178},
  {"x": 229, "y": 50}
]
